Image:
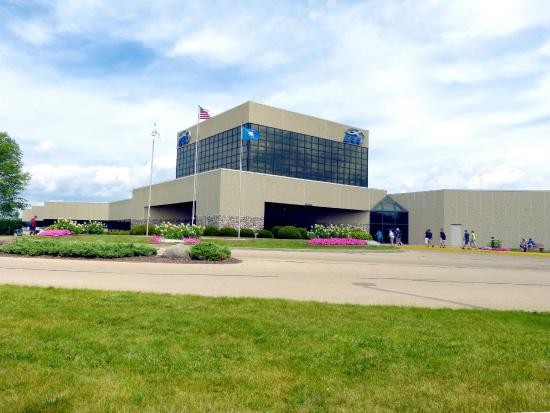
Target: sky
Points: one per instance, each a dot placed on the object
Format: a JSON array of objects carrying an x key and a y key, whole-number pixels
[{"x": 455, "y": 94}]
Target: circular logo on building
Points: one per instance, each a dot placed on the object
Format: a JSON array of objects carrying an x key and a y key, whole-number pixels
[
  {"x": 354, "y": 135},
  {"x": 184, "y": 137}
]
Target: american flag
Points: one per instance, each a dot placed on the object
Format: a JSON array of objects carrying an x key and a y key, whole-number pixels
[{"x": 203, "y": 113}]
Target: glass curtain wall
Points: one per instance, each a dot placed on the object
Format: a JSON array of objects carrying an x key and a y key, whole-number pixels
[{"x": 279, "y": 152}]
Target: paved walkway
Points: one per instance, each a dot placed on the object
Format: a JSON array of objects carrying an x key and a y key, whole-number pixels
[{"x": 431, "y": 278}]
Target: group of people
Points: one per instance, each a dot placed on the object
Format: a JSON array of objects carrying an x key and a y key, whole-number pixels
[
  {"x": 428, "y": 238},
  {"x": 527, "y": 245},
  {"x": 469, "y": 240},
  {"x": 394, "y": 236}
]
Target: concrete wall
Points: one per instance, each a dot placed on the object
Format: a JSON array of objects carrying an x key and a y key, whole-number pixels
[
  {"x": 257, "y": 189},
  {"x": 70, "y": 210},
  {"x": 425, "y": 211},
  {"x": 270, "y": 116},
  {"x": 507, "y": 215}
]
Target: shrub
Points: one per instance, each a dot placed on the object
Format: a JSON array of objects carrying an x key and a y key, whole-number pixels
[
  {"x": 208, "y": 251},
  {"x": 247, "y": 233},
  {"x": 8, "y": 226},
  {"x": 142, "y": 228},
  {"x": 210, "y": 231},
  {"x": 64, "y": 223},
  {"x": 289, "y": 232},
  {"x": 179, "y": 231},
  {"x": 303, "y": 233},
  {"x": 119, "y": 232},
  {"x": 94, "y": 227},
  {"x": 339, "y": 231},
  {"x": 227, "y": 232},
  {"x": 96, "y": 249},
  {"x": 265, "y": 233},
  {"x": 359, "y": 233},
  {"x": 275, "y": 230}
]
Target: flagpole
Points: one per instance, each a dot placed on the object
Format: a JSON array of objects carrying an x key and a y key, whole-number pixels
[
  {"x": 154, "y": 134},
  {"x": 193, "y": 208},
  {"x": 240, "y": 178}
]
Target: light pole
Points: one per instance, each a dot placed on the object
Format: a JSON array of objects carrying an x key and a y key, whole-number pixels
[{"x": 154, "y": 134}]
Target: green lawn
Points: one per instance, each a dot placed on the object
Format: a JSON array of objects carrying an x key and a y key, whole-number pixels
[
  {"x": 88, "y": 351},
  {"x": 229, "y": 242}
]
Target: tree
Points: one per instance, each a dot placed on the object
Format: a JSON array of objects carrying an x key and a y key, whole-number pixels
[{"x": 12, "y": 178}]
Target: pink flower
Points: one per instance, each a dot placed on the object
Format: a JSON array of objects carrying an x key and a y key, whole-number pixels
[
  {"x": 55, "y": 233},
  {"x": 336, "y": 241},
  {"x": 156, "y": 238},
  {"x": 191, "y": 240}
]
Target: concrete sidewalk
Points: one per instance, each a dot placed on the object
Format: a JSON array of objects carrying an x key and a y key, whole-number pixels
[{"x": 419, "y": 278}]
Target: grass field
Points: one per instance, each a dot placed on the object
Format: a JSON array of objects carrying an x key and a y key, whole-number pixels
[
  {"x": 229, "y": 242},
  {"x": 87, "y": 351}
]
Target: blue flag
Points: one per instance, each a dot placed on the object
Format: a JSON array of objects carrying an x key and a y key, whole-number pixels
[{"x": 250, "y": 134}]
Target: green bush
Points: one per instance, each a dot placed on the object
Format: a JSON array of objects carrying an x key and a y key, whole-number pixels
[
  {"x": 275, "y": 230},
  {"x": 210, "y": 231},
  {"x": 179, "y": 231},
  {"x": 95, "y": 227},
  {"x": 265, "y": 233},
  {"x": 289, "y": 232},
  {"x": 141, "y": 229},
  {"x": 247, "y": 233},
  {"x": 208, "y": 251},
  {"x": 303, "y": 233},
  {"x": 58, "y": 248},
  {"x": 8, "y": 226},
  {"x": 227, "y": 232},
  {"x": 64, "y": 223},
  {"x": 359, "y": 233}
]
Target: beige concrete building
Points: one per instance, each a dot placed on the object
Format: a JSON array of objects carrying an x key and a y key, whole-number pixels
[
  {"x": 304, "y": 170},
  {"x": 505, "y": 215}
]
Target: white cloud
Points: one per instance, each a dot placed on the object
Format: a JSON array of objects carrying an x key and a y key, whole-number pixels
[{"x": 444, "y": 109}]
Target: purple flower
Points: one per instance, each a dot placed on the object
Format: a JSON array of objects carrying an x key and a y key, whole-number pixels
[
  {"x": 191, "y": 240},
  {"x": 336, "y": 241},
  {"x": 55, "y": 233}
]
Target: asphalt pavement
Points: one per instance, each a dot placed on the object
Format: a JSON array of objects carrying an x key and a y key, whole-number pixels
[{"x": 424, "y": 278}]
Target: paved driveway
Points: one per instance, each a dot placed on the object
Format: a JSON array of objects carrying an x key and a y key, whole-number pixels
[{"x": 431, "y": 278}]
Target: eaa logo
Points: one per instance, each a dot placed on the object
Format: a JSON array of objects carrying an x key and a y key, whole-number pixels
[
  {"x": 184, "y": 137},
  {"x": 354, "y": 136}
]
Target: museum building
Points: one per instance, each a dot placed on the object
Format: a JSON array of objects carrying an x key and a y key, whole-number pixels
[{"x": 301, "y": 171}]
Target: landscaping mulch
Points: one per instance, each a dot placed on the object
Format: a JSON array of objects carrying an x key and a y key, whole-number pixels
[{"x": 150, "y": 258}]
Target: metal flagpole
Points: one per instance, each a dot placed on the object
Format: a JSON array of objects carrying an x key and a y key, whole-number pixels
[
  {"x": 193, "y": 208},
  {"x": 240, "y": 179},
  {"x": 154, "y": 134}
]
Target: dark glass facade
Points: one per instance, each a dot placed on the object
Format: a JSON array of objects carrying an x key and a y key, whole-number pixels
[
  {"x": 279, "y": 152},
  {"x": 386, "y": 215}
]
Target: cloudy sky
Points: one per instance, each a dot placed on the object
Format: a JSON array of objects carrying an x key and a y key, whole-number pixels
[{"x": 456, "y": 94}]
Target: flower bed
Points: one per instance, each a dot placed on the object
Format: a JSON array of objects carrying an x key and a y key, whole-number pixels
[
  {"x": 55, "y": 233},
  {"x": 336, "y": 241},
  {"x": 191, "y": 240},
  {"x": 156, "y": 239}
]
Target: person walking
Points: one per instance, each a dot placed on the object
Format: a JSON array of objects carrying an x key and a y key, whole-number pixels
[
  {"x": 379, "y": 236},
  {"x": 442, "y": 238},
  {"x": 428, "y": 240},
  {"x": 398, "y": 237},
  {"x": 33, "y": 225},
  {"x": 473, "y": 238},
  {"x": 391, "y": 235},
  {"x": 466, "y": 240}
]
